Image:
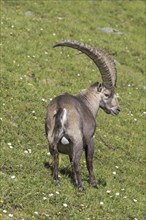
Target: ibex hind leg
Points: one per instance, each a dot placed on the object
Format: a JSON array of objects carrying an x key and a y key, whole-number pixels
[
  {"x": 77, "y": 152},
  {"x": 55, "y": 157},
  {"x": 89, "y": 151}
]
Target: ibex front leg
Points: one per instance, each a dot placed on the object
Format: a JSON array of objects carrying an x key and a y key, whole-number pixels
[{"x": 89, "y": 151}]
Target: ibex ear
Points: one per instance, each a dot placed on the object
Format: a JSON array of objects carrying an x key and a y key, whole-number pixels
[{"x": 99, "y": 87}]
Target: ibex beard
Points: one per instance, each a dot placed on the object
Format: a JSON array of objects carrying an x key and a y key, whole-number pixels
[{"x": 71, "y": 120}]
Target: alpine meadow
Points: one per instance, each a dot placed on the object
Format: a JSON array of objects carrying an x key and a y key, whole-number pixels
[{"x": 32, "y": 73}]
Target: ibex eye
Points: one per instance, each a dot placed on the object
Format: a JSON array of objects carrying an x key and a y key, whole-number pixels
[{"x": 107, "y": 95}]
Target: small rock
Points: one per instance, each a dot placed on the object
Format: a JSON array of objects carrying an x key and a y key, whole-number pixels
[
  {"x": 110, "y": 30},
  {"x": 28, "y": 14}
]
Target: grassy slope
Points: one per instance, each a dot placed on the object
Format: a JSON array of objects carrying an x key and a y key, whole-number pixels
[{"x": 31, "y": 71}]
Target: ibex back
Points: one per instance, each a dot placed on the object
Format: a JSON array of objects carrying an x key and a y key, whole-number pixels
[{"x": 71, "y": 120}]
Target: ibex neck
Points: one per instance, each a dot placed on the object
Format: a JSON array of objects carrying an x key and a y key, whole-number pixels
[{"x": 91, "y": 100}]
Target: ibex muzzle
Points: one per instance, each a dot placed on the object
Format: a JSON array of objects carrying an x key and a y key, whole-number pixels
[{"x": 71, "y": 120}]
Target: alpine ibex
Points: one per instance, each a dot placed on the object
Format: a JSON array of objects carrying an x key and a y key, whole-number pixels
[{"x": 71, "y": 120}]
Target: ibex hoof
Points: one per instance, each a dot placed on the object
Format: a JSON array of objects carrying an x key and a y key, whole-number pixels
[
  {"x": 57, "y": 182},
  {"x": 81, "y": 188},
  {"x": 94, "y": 184}
]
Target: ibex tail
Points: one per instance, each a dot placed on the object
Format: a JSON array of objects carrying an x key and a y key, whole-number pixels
[{"x": 59, "y": 127}]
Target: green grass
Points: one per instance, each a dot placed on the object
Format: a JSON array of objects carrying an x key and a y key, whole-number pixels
[{"x": 33, "y": 72}]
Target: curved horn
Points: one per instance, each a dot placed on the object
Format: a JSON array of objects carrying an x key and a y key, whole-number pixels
[{"x": 102, "y": 60}]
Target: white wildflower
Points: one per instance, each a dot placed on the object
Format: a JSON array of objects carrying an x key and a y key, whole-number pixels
[
  {"x": 13, "y": 177},
  {"x": 78, "y": 74},
  {"x": 108, "y": 191},
  {"x": 51, "y": 194},
  {"x": 122, "y": 189},
  {"x": 135, "y": 119},
  {"x": 117, "y": 167},
  {"x": 125, "y": 197},
  {"x": 11, "y": 147},
  {"x": 10, "y": 215},
  {"x": 50, "y": 99},
  {"x": 129, "y": 85},
  {"x": 26, "y": 152},
  {"x": 65, "y": 205},
  {"x": 117, "y": 95},
  {"x": 44, "y": 198},
  {"x": 101, "y": 203},
  {"x": 44, "y": 100},
  {"x": 33, "y": 112},
  {"x": 114, "y": 173},
  {"x": 134, "y": 200},
  {"x": 54, "y": 34},
  {"x": 36, "y": 213},
  {"x": 60, "y": 18},
  {"x": 4, "y": 211},
  {"x": 29, "y": 150},
  {"x": 1, "y": 119},
  {"x": 57, "y": 193},
  {"x": 48, "y": 154},
  {"x": 144, "y": 113},
  {"x": 117, "y": 194}
]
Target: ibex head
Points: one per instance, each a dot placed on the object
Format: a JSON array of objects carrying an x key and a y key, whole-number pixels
[
  {"x": 106, "y": 90},
  {"x": 108, "y": 100}
]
